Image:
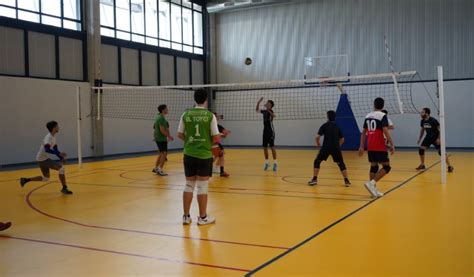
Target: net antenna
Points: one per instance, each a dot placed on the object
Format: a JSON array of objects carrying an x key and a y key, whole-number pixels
[{"x": 395, "y": 83}]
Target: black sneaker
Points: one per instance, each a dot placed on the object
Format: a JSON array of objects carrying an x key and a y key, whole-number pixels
[
  {"x": 347, "y": 182},
  {"x": 313, "y": 182},
  {"x": 450, "y": 169},
  {"x": 23, "y": 181},
  {"x": 421, "y": 167},
  {"x": 66, "y": 191},
  {"x": 4, "y": 226}
]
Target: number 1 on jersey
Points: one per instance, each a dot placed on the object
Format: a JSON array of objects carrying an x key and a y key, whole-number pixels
[{"x": 197, "y": 134}]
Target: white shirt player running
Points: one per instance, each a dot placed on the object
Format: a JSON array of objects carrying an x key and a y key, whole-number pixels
[{"x": 42, "y": 154}]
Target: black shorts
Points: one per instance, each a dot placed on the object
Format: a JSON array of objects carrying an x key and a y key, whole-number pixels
[
  {"x": 427, "y": 142},
  {"x": 268, "y": 139},
  {"x": 48, "y": 164},
  {"x": 162, "y": 146},
  {"x": 378, "y": 157},
  {"x": 197, "y": 167},
  {"x": 336, "y": 155}
]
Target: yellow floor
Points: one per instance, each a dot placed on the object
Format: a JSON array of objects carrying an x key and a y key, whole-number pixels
[{"x": 123, "y": 220}]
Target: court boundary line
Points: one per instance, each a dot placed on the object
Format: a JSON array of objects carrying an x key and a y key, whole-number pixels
[
  {"x": 101, "y": 250},
  {"x": 318, "y": 233}
]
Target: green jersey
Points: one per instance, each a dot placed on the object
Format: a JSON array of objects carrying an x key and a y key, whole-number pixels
[
  {"x": 197, "y": 124},
  {"x": 160, "y": 121}
]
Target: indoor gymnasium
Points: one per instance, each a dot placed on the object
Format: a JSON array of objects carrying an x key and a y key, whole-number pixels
[{"x": 236, "y": 138}]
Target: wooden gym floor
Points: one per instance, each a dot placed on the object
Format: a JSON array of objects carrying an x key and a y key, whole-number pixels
[{"x": 123, "y": 220}]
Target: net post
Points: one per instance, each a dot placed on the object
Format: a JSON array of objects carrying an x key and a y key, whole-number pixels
[
  {"x": 79, "y": 119},
  {"x": 442, "y": 125},
  {"x": 98, "y": 103}
]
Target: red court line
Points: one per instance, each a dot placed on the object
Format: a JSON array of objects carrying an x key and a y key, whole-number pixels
[
  {"x": 138, "y": 181},
  {"x": 124, "y": 253},
  {"x": 226, "y": 192},
  {"x": 30, "y": 204}
]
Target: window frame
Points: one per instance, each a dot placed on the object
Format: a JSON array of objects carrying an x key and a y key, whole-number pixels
[
  {"x": 196, "y": 7},
  {"x": 61, "y": 17}
]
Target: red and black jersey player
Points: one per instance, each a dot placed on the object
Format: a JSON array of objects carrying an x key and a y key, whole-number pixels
[{"x": 375, "y": 127}]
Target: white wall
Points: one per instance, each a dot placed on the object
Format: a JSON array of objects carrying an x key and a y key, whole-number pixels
[
  {"x": 27, "y": 104},
  {"x": 459, "y": 118},
  {"x": 421, "y": 34}
]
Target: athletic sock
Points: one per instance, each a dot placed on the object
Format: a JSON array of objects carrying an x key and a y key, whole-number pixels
[
  {"x": 275, "y": 162},
  {"x": 222, "y": 169},
  {"x": 267, "y": 162},
  {"x": 373, "y": 182},
  {"x": 346, "y": 179},
  {"x": 315, "y": 178}
]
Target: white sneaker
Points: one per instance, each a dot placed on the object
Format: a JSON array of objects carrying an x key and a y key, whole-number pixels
[
  {"x": 187, "y": 220},
  {"x": 207, "y": 220},
  {"x": 216, "y": 169},
  {"x": 379, "y": 193},
  {"x": 371, "y": 188}
]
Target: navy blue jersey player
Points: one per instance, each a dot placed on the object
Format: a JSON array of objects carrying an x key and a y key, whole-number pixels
[
  {"x": 430, "y": 126},
  {"x": 268, "y": 132}
]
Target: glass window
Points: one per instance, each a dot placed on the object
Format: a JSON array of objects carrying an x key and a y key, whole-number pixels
[
  {"x": 187, "y": 26},
  {"x": 138, "y": 38},
  {"x": 107, "y": 32},
  {"x": 165, "y": 44},
  {"x": 151, "y": 19},
  {"x": 176, "y": 34},
  {"x": 72, "y": 9},
  {"x": 73, "y": 25},
  {"x": 198, "y": 51},
  {"x": 171, "y": 24},
  {"x": 177, "y": 46},
  {"x": 107, "y": 15},
  {"x": 31, "y": 5},
  {"x": 58, "y": 13},
  {"x": 8, "y": 12},
  {"x": 48, "y": 20},
  {"x": 152, "y": 41},
  {"x": 52, "y": 7},
  {"x": 198, "y": 35},
  {"x": 28, "y": 16},
  {"x": 138, "y": 17},
  {"x": 8, "y": 3},
  {"x": 122, "y": 11},
  {"x": 187, "y": 48},
  {"x": 164, "y": 16},
  {"x": 187, "y": 4},
  {"x": 197, "y": 7}
]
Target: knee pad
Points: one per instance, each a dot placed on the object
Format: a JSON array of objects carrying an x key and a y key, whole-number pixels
[
  {"x": 342, "y": 166},
  {"x": 317, "y": 163},
  {"x": 189, "y": 186},
  {"x": 387, "y": 168},
  {"x": 421, "y": 151},
  {"x": 202, "y": 187},
  {"x": 62, "y": 170},
  {"x": 374, "y": 169},
  {"x": 45, "y": 179}
]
